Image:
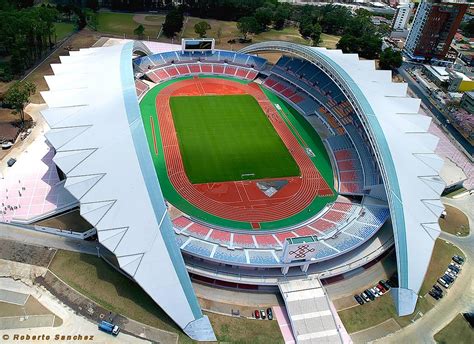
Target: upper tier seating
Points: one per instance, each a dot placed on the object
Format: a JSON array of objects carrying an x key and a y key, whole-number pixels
[
  {"x": 152, "y": 62},
  {"x": 164, "y": 73}
]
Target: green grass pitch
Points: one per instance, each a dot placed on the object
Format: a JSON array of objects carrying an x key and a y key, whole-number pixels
[{"x": 227, "y": 138}]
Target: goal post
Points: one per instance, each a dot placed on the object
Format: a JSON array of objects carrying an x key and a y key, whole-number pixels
[{"x": 247, "y": 175}]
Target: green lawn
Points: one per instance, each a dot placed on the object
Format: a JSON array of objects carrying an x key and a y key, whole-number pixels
[
  {"x": 373, "y": 313},
  {"x": 228, "y": 137},
  {"x": 97, "y": 280},
  {"x": 123, "y": 23},
  {"x": 63, "y": 29},
  {"x": 458, "y": 331}
]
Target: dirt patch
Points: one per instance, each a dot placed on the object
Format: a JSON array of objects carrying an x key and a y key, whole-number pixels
[
  {"x": 148, "y": 20},
  {"x": 455, "y": 222},
  {"x": 70, "y": 221},
  {"x": 23, "y": 253}
]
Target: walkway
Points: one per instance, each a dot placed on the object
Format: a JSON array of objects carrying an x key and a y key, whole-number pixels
[
  {"x": 32, "y": 237},
  {"x": 309, "y": 311},
  {"x": 72, "y": 324},
  {"x": 461, "y": 294}
]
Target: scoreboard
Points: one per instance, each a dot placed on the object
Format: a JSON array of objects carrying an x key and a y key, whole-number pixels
[{"x": 205, "y": 44}]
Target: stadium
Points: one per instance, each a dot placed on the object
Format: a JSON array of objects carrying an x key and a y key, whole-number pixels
[{"x": 244, "y": 172}]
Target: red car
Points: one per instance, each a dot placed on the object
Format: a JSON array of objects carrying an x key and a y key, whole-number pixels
[{"x": 257, "y": 314}]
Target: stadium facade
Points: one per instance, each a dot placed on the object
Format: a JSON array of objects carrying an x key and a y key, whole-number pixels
[{"x": 99, "y": 138}]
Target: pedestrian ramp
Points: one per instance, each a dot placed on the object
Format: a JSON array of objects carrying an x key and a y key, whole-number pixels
[{"x": 310, "y": 312}]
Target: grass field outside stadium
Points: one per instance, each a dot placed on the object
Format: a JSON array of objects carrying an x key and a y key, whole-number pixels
[
  {"x": 228, "y": 138},
  {"x": 304, "y": 130}
]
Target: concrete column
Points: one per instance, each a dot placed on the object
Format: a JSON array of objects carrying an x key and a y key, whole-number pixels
[{"x": 304, "y": 267}]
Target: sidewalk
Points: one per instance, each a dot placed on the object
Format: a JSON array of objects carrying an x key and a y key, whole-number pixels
[{"x": 95, "y": 313}]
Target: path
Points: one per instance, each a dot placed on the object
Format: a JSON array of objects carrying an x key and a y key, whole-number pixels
[
  {"x": 32, "y": 237},
  {"x": 72, "y": 324},
  {"x": 459, "y": 297}
]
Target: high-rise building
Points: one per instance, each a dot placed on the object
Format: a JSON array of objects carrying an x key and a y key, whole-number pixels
[
  {"x": 433, "y": 29},
  {"x": 401, "y": 17}
]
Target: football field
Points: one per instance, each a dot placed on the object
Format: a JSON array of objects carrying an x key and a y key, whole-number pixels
[{"x": 228, "y": 138}]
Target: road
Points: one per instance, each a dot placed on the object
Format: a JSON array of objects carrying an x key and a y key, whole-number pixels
[
  {"x": 425, "y": 98},
  {"x": 460, "y": 296},
  {"x": 32, "y": 237}
]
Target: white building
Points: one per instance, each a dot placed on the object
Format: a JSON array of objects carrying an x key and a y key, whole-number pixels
[{"x": 402, "y": 16}]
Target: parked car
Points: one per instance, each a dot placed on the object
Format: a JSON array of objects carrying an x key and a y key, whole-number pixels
[
  {"x": 370, "y": 294},
  {"x": 381, "y": 288},
  {"x": 443, "y": 283},
  {"x": 451, "y": 274},
  {"x": 365, "y": 297},
  {"x": 359, "y": 300},
  {"x": 257, "y": 314},
  {"x": 434, "y": 295},
  {"x": 109, "y": 328},
  {"x": 454, "y": 267},
  {"x": 452, "y": 271},
  {"x": 7, "y": 145},
  {"x": 448, "y": 278},
  {"x": 262, "y": 313},
  {"x": 436, "y": 287},
  {"x": 375, "y": 292},
  {"x": 385, "y": 284},
  {"x": 11, "y": 162},
  {"x": 269, "y": 314},
  {"x": 458, "y": 259}
]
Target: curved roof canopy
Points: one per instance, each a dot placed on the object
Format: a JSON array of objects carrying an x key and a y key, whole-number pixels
[
  {"x": 98, "y": 135},
  {"x": 404, "y": 151}
]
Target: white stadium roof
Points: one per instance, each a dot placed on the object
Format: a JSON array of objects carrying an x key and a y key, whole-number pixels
[
  {"x": 404, "y": 150},
  {"x": 100, "y": 144}
]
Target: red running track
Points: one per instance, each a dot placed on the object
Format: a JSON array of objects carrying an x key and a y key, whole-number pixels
[{"x": 239, "y": 200}]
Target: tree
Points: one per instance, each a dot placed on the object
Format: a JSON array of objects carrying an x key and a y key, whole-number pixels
[
  {"x": 173, "y": 22},
  {"x": 247, "y": 25},
  {"x": 390, "y": 59},
  {"x": 139, "y": 31},
  {"x": 367, "y": 46},
  {"x": 468, "y": 28},
  {"x": 18, "y": 96},
  {"x": 263, "y": 16},
  {"x": 316, "y": 34},
  {"x": 306, "y": 27},
  {"x": 201, "y": 28},
  {"x": 279, "y": 17}
]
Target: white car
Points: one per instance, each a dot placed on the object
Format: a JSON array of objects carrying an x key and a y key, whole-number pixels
[
  {"x": 7, "y": 145},
  {"x": 443, "y": 283},
  {"x": 375, "y": 292},
  {"x": 450, "y": 274}
]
